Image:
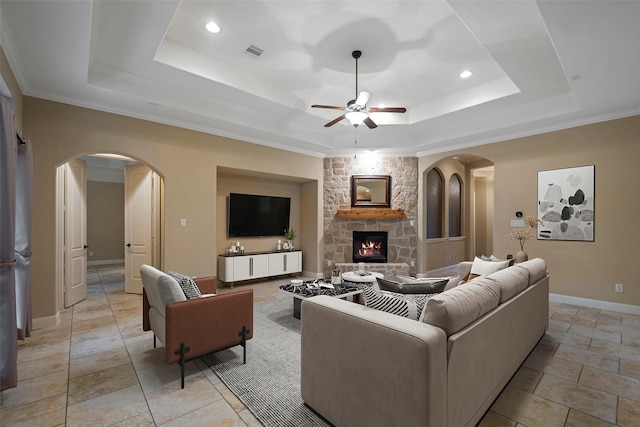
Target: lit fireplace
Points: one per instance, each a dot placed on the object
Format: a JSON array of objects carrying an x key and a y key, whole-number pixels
[{"x": 369, "y": 246}]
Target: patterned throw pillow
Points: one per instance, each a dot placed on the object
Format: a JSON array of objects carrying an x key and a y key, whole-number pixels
[
  {"x": 405, "y": 305},
  {"x": 187, "y": 284}
]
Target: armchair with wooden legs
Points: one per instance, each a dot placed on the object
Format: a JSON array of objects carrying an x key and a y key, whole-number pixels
[{"x": 189, "y": 328}]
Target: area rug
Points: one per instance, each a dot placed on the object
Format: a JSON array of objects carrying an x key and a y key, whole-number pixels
[{"x": 269, "y": 384}]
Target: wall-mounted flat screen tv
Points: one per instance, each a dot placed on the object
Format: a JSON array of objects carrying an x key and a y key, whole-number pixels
[{"x": 257, "y": 216}]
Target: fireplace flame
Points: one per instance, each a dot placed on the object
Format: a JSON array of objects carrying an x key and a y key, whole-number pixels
[{"x": 370, "y": 248}]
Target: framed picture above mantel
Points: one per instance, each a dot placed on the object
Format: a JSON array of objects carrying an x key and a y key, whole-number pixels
[
  {"x": 371, "y": 191},
  {"x": 566, "y": 204}
]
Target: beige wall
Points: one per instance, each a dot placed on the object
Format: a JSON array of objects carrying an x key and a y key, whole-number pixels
[
  {"x": 483, "y": 207},
  {"x": 105, "y": 220},
  {"x": 187, "y": 160},
  {"x": 580, "y": 269}
]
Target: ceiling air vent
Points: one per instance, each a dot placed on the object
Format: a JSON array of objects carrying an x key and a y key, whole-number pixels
[{"x": 255, "y": 50}]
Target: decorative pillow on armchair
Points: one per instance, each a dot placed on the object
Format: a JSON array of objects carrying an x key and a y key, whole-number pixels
[
  {"x": 187, "y": 284},
  {"x": 417, "y": 287}
]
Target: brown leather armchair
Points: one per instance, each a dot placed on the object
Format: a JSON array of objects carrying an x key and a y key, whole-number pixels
[{"x": 191, "y": 328}]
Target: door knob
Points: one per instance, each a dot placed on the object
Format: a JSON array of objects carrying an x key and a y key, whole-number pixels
[
  {"x": 85, "y": 246},
  {"x": 128, "y": 245}
]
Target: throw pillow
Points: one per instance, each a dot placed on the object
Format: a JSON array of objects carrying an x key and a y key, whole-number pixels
[
  {"x": 187, "y": 284},
  {"x": 482, "y": 268},
  {"x": 410, "y": 306},
  {"x": 510, "y": 260},
  {"x": 417, "y": 287},
  {"x": 408, "y": 279},
  {"x": 496, "y": 259}
]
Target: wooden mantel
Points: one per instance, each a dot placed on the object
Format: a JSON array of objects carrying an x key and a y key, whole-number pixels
[{"x": 384, "y": 213}]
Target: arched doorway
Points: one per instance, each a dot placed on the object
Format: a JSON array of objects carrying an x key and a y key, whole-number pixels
[{"x": 110, "y": 213}]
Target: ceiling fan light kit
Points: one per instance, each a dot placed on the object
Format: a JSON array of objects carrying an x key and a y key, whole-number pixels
[
  {"x": 356, "y": 117},
  {"x": 357, "y": 111}
]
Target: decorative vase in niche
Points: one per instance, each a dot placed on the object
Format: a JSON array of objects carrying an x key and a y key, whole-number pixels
[{"x": 521, "y": 256}]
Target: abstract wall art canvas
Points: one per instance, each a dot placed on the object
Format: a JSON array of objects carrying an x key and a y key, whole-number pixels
[{"x": 566, "y": 203}]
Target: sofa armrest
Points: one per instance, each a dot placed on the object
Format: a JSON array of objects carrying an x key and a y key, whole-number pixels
[
  {"x": 361, "y": 366},
  {"x": 208, "y": 324},
  {"x": 464, "y": 267},
  {"x": 207, "y": 285}
]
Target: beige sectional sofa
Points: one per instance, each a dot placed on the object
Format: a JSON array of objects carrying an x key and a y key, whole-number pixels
[{"x": 364, "y": 367}]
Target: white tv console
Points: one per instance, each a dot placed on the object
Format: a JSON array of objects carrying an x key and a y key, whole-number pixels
[{"x": 235, "y": 268}]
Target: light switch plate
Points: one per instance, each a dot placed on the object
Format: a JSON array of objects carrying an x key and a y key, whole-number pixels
[
  {"x": 517, "y": 223},
  {"x": 183, "y": 222}
]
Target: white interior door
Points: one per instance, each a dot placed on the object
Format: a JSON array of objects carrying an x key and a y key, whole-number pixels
[
  {"x": 75, "y": 225},
  {"x": 138, "y": 229}
]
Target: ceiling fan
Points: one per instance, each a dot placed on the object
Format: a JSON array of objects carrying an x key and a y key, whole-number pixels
[{"x": 356, "y": 110}]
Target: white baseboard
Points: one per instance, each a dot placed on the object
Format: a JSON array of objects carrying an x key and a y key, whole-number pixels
[
  {"x": 106, "y": 261},
  {"x": 46, "y": 322},
  {"x": 314, "y": 275},
  {"x": 593, "y": 303}
]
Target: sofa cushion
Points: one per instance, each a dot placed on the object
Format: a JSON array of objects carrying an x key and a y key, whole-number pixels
[
  {"x": 418, "y": 286},
  {"x": 453, "y": 282},
  {"x": 187, "y": 284},
  {"x": 456, "y": 308},
  {"x": 404, "y": 305},
  {"x": 511, "y": 281},
  {"x": 537, "y": 269}
]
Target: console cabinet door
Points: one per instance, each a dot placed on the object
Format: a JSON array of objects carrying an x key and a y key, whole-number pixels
[
  {"x": 259, "y": 266},
  {"x": 277, "y": 264},
  {"x": 294, "y": 262},
  {"x": 250, "y": 267},
  {"x": 285, "y": 263}
]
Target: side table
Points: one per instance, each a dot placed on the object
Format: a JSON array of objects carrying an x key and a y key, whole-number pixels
[{"x": 369, "y": 277}]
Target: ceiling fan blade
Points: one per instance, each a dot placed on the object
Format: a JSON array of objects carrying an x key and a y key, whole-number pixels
[
  {"x": 387, "y": 109},
  {"x": 334, "y": 121},
  {"x": 332, "y": 107},
  {"x": 363, "y": 98},
  {"x": 370, "y": 123}
]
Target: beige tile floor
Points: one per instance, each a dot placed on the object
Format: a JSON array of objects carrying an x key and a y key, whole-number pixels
[{"x": 99, "y": 368}]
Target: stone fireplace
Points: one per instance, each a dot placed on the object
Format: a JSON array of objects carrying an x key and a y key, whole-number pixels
[
  {"x": 402, "y": 233},
  {"x": 370, "y": 246}
]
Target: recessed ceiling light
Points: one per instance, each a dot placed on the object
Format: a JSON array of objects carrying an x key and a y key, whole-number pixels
[
  {"x": 465, "y": 74},
  {"x": 212, "y": 27}
]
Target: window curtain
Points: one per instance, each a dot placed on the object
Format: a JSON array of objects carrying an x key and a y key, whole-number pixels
[
  {"x": 8, "y": 323},
  {"x": 23, "y": 239}
]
